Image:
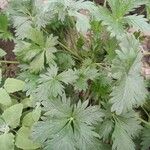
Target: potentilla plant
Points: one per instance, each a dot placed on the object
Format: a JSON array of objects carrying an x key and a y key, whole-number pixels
[{"x": 80, "y": 82}]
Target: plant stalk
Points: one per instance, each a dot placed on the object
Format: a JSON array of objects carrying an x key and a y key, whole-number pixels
[{"x": 9, "y": 62}]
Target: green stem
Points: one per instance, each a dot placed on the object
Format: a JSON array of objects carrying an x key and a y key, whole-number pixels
[
  {"x": 105, "y": 2},
  {"x": 145, "y": 112},
  {"x": 15, "y": 96},
  {"x": 87, "y": 94},
  {"x": 102, "y": 65},
  {"x": 145, "y": 122},
  {"x": 66, "y": 48},
  {"x": 9, "y": 62}
]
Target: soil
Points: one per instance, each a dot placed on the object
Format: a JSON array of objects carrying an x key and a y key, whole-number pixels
[
  {"x": 9, "y": 70},
  {"x": 8, "y": 46}
]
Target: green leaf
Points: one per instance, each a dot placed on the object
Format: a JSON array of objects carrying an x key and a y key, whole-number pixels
[
  {"x": 123, "y": 142},
  {"x": 12, "y": 115},
  {"x": 22, "y": 25},
  {"x": 82, "y": 19},
  {"x": 42, "y": 17},
  {"x": 138, "y": 22},
  {"x": 73, "y": 8},
  {"x": 30, "y": 81},
  {"x": 116, "y": 21},
  {"x": 130, "y": 90},
  {"x": 37, "y": 64},
  {"x": 65, "y": 61},
  {"x": 123, "y": 7},
  {"x": 32, "y": 117},
  {"x": 26, "y": 51},
  {"x": 146, "y": 138},
  {"x": 39, "y": 52},
  {"x": 13, "y": 85},
  {"x": 50, "y": 48},
  {"x": 72, "y": 127},
  {"x": 3, "y": 126},
  {"x": 3, "y": 22},
  {"x": 7, "y": 141},
  {"x": 84, "y": 74},
  {"x": 4, "y": 33},
  {"x": 2, "y": 53},
  {"x": 114, "y": 26},
  {"x": 4, "y": 97},
  {"x": 27, "y": 102},
  {"x": 51, "y": 83},
  {"x": 68, "y": 76},
  {"x": 106, "y": 129},
  {"x": 148, "y": 11},
  {"x": 36, "y": 36},
  {"x": 127, "y": 127},
  {"x": 23, "y": 141},
  {"x": 0, "y": 75},
  {"x": 101, "y": 87},
  {"x": 131, "y": 5}
]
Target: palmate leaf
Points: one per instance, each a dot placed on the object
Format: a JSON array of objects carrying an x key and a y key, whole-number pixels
[
  {"x": 27, "y": 14},
  {"x": 84, "y": 74},
  {"x": 101, "y": 87},
  {"x": 124, "y": 141},
  {"x": 121, "y": 129},
  {"x": 106, "y": 129},
  {"x": 116, "y": 20},
  {"x": 126, "y": 128},
  {"x": 38, "y": 52},
  {"x": 51, "y": 83},
  {"x": 116, "y": 28},
  {"x": 123, "y": 7},
  {"x": 130, "y": 90},
  {"x": 22, "y": 24},
  {"x": 72, "y": 8},
  {"x": 146, "y": 138},
  {"x": 130, "y": 123},
  {"x": 64, "y": 61},
  {"x": 117, "y": 127},
  {"x": 30, "y": 81},
  {"x": 138, "y": 22},
  {"x": 133, "y": 4},
  {"x": 20, "y": 16},
  {"x": 41, "y": 17},
  {"x": 67, "y": 127}
]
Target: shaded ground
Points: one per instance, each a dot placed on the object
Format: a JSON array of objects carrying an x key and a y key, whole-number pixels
[{"x": 9, "y": 70}]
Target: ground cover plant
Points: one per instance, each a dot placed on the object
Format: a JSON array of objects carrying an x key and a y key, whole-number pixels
[{"x": 79, "y": 83}]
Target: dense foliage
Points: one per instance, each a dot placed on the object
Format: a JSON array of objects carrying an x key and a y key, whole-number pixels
[{"x": 79, "y": 86}]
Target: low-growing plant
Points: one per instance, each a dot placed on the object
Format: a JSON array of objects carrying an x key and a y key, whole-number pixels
[{"x": 80, "y": 84}]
